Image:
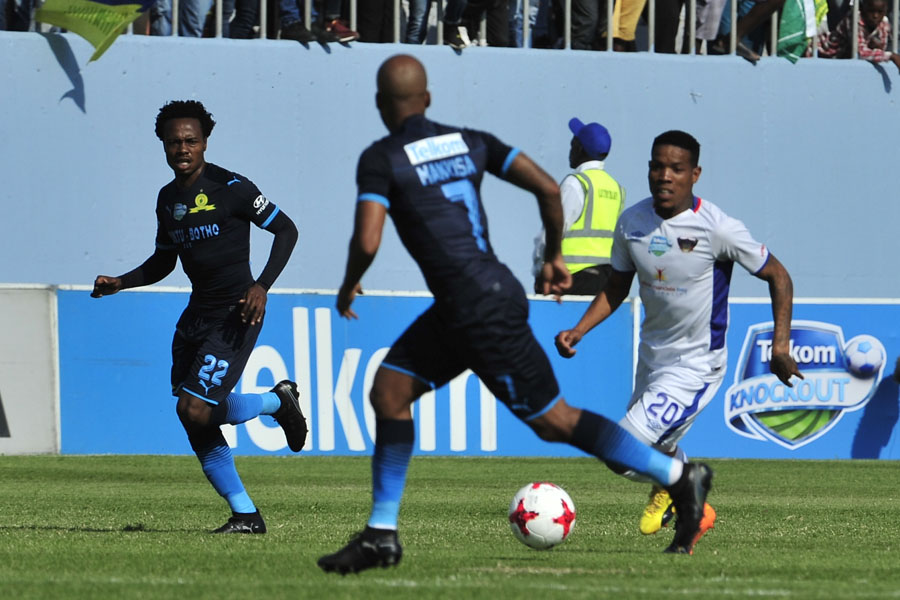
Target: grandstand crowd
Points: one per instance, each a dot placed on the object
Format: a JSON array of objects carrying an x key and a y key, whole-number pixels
[{"x": 762, "y": 27}]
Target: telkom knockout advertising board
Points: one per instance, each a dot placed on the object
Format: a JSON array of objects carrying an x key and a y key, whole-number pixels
[{"x": 115, "y": 396}]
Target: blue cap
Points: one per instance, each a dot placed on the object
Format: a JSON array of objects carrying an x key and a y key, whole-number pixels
[{"x": 594, "y": 137}]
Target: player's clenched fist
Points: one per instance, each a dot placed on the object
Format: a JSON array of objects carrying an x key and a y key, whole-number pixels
[
  {"x": 105, "y": 285},
  {"x": 565, "y": 342}
]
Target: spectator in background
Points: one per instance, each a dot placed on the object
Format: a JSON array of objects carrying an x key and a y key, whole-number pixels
[
  {"x": 497, "y": 14},
  {"x": 759, "y": 12},
  {"x": 872, "y": 40},
  {"x": 333, "y": 29},
  {"x": 537, "y": 22},
  {"x": 589, "y": 24},
  {"x": 455, "y": 33},
  {"x": 375, "y": 21},
  {"x": 191, "y": 17},
  {"x": 417, "y": 24},
  {"x": 15, "y": 15},
  {"x": 591, "y": 204},
  {"x": 239, "y": 17},
  {"x": 626, "y": 14}
]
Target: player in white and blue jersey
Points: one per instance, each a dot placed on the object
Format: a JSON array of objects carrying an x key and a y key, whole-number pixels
[
  {"x": 427, "y": 177},
  {"x": 682, "y": 249}
]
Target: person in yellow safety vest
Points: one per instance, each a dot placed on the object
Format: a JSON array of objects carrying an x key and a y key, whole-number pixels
[{"x": 592, "y": 202}]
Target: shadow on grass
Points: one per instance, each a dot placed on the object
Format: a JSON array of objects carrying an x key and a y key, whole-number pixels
[{"x": 136, "y": 528}]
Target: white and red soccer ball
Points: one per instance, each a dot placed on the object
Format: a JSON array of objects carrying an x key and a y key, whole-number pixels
[{"x": 541, "y": 515}]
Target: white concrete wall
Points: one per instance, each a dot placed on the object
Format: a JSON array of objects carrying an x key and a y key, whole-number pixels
[{"x": 802, "y": 153}]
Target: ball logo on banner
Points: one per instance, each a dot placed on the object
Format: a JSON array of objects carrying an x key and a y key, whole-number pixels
[{"x": 839, "y": 377}]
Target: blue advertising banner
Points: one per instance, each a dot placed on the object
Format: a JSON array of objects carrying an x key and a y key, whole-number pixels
[
  {"x": 115, "y": 393},
  {"x": 115, "y": 361},
  {"x": 845, "y": 407}
]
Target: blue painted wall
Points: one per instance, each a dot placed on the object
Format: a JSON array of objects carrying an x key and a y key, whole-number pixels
[{"x": 802, "y": 153}]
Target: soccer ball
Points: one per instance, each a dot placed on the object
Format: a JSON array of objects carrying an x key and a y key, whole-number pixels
[
  {"x": 865, "y": 355},
  {"x": 541, "y": 515}
]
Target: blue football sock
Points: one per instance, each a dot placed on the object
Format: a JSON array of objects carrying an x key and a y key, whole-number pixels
[
  {"x": 605, "y": 439},
  {"x": 218, "y": 466},
  {"x": 238, "y": 408},
  {"x": 393, "y": 448},
  {"x": 270, "y": 403}
]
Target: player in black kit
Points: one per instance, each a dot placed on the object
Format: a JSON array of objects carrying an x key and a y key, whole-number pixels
[
  {"x": 427, "y": 176},
  {"x": 204, "y": 218}
]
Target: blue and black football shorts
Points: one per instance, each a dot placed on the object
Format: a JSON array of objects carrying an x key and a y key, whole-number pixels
[
  {"x": 209, "y": 353},
  {"x": 497, "y": 344}
]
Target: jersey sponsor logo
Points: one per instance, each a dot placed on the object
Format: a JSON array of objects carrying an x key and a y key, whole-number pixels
[
  {"x": 434, "y": 148},
  {"x": 687, "y": 244},
  {"x": 260, "y": 204},
  {"x": 179, "y": 211},
  {"x": 660, "y": 274},
  {"x": 659, "y": 245},
  {"x": 193, "y": 234},
  {"x": 839, "y": 377},
  {"x": 459, "y": 167},
  {"x": 201, "y": 203}
]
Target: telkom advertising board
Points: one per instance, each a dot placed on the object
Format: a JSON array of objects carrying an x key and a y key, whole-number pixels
[{"x": 116, "y": 397}]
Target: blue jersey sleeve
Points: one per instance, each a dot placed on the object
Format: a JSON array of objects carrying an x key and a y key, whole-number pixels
[
  {"x": 373, "y": 176},
  {"x": 499, "y": 155}
]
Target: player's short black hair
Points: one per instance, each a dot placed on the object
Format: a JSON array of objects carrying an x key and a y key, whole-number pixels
[
  {"x": 680, "y": 139},
  {"x": 184, "y": 109}
]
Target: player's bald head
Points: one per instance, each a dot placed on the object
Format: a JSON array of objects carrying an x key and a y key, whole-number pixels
[
  {"x": 402, "y": 75},
  {"x": 402, "y": 90}
]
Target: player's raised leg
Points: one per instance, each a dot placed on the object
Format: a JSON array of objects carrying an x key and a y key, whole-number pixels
[
  {"x": 687, "y": 483},
  {"x": 377, "y": 545}
]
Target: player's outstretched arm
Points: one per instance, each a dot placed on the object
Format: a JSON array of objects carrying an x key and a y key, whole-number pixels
[
  {"x": 364, "y": 244},
  {"x": 154, "y": 269},
  {"x": 604, "y": 304},
  {"x": 526, "y": 174},
  {"x": 781, "y": 291}
]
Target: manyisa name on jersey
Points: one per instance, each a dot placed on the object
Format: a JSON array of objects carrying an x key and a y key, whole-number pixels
[{"x": 458, "y": 167}]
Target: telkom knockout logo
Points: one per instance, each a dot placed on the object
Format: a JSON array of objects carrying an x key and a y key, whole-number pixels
[{"x": 839, "y": 378}]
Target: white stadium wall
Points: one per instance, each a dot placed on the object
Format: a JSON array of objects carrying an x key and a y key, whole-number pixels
[
  {"x": 29, "y": 373},
  {"x": 802, "y": 153}
]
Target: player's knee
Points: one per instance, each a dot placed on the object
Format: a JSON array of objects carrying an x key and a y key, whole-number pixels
[
  {"x": 387, "y": 403},
  {"x": 557, "y": 424},
  {"x": 193, "y": 412}
]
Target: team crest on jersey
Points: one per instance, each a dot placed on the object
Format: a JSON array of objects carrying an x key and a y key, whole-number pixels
[
  {"x": 687, "y": 244},
  {"x": 659, "y": 245},
  {"x": 179, "y": 211},
  {"x": 201, "y": 203},
  {"x": 839, "y": 377}
]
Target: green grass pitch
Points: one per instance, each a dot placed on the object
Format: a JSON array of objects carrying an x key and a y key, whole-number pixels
[{"x": 77, "y": 527}]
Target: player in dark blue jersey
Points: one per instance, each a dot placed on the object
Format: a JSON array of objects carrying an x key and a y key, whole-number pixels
[
  {"x": 427, "y": 177},
  {"x": 204, "y": 218}
]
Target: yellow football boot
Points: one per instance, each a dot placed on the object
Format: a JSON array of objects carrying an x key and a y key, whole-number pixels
[{"x": 658, "y": 512}]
